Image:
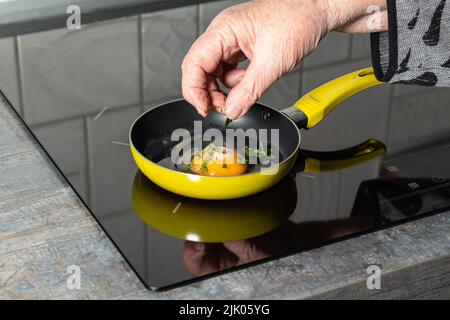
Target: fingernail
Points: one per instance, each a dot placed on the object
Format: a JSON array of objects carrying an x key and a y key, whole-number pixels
[
  {"x": 202, "y": 113},
  {"x": 233, "y": 113}
]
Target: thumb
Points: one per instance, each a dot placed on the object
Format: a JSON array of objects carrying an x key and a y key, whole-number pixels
[{"x": 256, "y": 80}]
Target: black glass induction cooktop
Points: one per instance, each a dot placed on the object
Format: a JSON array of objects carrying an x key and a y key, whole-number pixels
[
  {"x": 170, "y": 239},
  {"x": 82, "y": 90}
]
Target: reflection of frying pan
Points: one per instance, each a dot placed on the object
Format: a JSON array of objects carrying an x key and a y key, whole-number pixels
[
  {"x": 150, "y": 137},
  {"x": 219, "y": 221},
  {"x": 213, "y": 221}
]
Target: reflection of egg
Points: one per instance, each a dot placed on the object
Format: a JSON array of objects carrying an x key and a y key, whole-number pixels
[{"x": 220, "y": 162}]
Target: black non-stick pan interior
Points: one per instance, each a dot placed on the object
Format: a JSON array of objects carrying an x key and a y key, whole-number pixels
[{"x": 151, "y": 133}]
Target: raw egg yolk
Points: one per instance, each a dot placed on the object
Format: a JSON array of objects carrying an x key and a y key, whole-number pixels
[{"x": 223, "y": 163}]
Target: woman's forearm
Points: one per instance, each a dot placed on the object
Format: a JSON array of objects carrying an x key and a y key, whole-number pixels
[{"x": 356, "y": 16}]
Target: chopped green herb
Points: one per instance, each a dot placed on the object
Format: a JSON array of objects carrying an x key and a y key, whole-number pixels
[
  {"x": 204, "y": 169},
  {"x": 257, "y": 152},
  {"x": 227, "y": 122},
  {"x": 186, "y": 167}
]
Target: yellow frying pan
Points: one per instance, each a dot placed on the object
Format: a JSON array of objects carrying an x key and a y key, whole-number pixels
[
  {"x": 237, "y": 219},
  {"x": 151, "y": 144}
]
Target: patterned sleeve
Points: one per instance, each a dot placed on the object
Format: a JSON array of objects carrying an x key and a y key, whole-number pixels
[{"x": 416, "y": 47}]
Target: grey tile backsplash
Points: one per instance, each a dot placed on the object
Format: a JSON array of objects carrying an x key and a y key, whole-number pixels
[
  {"x": 208, "y": 11},
  {"x": 360, "y": 46},
  {"x": 62, "y": 78},
  {"x": 166, "y": 38},
  {"x": 9, "y": 73},
  {"x": 108, "y": 150},
  {"x": 285, "y": 92},
  {"x": 427, "y": 115},
  {"x": 64, "y": 72},
  {"x": 332, "y": 49}
]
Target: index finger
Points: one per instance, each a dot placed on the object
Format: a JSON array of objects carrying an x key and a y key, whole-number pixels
[{"x": 203, "y": 60}]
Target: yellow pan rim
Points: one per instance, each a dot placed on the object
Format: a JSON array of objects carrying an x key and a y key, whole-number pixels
[{"x": 293, "y": 154}]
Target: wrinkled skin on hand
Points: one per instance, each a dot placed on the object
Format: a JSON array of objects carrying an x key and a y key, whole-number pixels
[{"x": 275, "y": 35}]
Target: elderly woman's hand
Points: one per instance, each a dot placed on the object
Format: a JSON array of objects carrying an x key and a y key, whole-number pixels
[{"x": 274, "y": 34}]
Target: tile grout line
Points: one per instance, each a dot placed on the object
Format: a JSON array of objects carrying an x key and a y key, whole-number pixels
[
  {"x": 146, "y": 249},
  {"x": 18, "y": 61},
  {"x": 81, "y": 116},
  {"x": 389, "y": 113},
  {"x": 116, "y": 213},
  {"x": 350, "y": 46},
  {"x": 199, "y": 28},
  {"x": 141, "y": 62},
  {"x": 341, "y": 190},
  {"x": 153, "y": 104},
  {"x": 95, "y": 113},
  {"x": 301, "y": 82},
  {"x": 74, "y": 173},
  {"x": 88, "y": 156},
  {"x": 334, "y": 63},
  {"x": 408, "y": 95}
]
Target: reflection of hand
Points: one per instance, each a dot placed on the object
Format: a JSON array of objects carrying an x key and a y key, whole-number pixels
[
  {"x": 274, "y": 34},
  {"x": 203, "y": 258}
]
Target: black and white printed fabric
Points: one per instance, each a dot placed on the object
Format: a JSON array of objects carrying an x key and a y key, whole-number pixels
[{"x": 416, "y": 48}]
